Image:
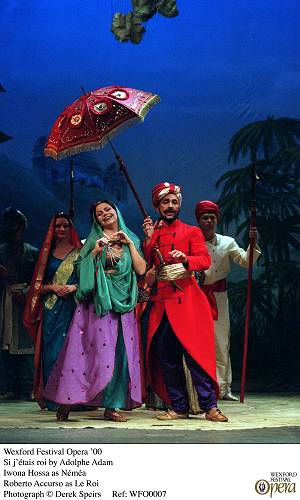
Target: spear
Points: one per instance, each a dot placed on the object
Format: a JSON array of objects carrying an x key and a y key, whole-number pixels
[{"x": 254, "y": 178}]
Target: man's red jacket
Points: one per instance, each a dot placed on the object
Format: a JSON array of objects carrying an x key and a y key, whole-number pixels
[{"x": 188, "y": 311}]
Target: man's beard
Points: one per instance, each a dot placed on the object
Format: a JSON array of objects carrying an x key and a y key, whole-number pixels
[{"x": 169, "y": 220}]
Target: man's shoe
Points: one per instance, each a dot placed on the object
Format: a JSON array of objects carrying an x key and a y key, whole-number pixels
[
  {"x": 215, "y": 415},
  {"x": 172, "y": 415},
  {"x": 229, "y": 397}
]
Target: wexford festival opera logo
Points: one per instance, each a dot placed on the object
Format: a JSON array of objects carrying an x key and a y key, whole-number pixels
[{"x": 279, "y": 482}]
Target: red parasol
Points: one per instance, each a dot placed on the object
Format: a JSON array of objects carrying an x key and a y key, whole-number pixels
[{"x": 95, "y": 118}]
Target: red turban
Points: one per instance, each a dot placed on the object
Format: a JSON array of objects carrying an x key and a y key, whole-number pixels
[
  {"x": 207, "y": 207},
  {"x": 161, "y": 190}
]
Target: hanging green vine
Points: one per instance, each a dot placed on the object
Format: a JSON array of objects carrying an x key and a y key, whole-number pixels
[{"x": 129, "y": 27}]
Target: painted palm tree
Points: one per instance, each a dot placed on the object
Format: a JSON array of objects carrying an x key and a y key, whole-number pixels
[
  {"x": 280, "y": 240},
  {"x": 263, "y": 316},
  {"x": 264, "y": 138},
  {"x": 285, "y": 276},
  {"x": 276, "y": 141},
  {"x": 274, "y": 353},
  {"x": 280, "y": 236},
  {"x": 278, "y": 223},
  {"x": 289, "y": 156},
  {"x": 276, "y": 193},
  {"x": 4, "y": 137},
  {"x": 264, "y": 313},
  {"x": 259, "y": 142},
  {"x": 288, "y": 160}
]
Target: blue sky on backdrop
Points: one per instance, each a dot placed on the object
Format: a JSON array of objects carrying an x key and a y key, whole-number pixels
[{"x": 217, "y": 66}]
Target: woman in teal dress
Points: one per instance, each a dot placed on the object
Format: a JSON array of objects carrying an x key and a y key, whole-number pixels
[{"x": 51, "y": 303}]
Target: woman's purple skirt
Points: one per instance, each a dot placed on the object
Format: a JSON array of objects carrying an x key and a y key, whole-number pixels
[{"x": 86, "y": 362}]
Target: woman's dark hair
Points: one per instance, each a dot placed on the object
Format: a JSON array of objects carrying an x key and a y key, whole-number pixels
[
  {"x": 95, "y": 205},
  {"x": 62, "y": 215}
]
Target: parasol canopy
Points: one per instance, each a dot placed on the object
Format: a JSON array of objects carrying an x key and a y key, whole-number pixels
[{"x": 94, "y": 118}]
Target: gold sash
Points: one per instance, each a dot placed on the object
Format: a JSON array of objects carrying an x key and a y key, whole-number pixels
[{"x": 62, "y": 276}]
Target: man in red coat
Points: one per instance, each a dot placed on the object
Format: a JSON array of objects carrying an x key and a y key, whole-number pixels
[{"x": 180, "y": 322}]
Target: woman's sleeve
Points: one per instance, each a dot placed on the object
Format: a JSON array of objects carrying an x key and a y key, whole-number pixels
[{"x": 85, "y": 271}]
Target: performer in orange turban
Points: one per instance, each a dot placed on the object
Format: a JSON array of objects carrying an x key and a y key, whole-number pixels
[{"x": 180, "y": 322}]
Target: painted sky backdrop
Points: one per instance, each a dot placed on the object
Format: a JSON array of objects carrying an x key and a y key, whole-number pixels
[{"x": 218, "y": 66}]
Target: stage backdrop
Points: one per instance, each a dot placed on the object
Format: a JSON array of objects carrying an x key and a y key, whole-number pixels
[{"x": 217, "y": 66}]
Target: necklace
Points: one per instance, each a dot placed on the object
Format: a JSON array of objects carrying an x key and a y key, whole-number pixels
[
  {"x": 106, "y": 235},
  {"x": 113, "y": 254}
]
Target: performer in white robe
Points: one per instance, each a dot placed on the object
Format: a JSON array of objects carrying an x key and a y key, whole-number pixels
[{"x": 223, "y": 250}]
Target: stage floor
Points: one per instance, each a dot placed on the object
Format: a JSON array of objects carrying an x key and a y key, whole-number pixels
[{"x": 262, "y": 418}]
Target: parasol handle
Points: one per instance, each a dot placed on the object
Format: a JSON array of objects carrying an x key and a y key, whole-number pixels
[
  {"x": 71, "y": 177},
  {"x": 125, "y": 172}
]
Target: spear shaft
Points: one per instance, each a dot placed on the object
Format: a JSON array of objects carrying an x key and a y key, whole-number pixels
[{"x": 249, "y": 286}]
